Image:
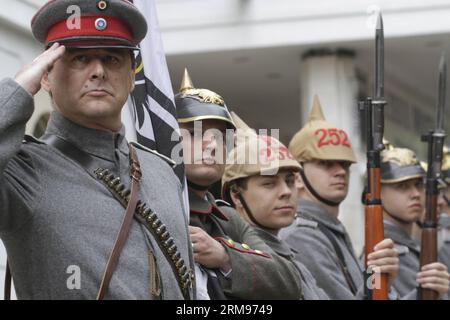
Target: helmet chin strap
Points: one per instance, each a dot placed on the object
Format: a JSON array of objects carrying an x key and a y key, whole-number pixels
[
  {"x": 197, "y": 187},
  {"x": 249, "y": 212},
  {"x": 315, "y": 193}
]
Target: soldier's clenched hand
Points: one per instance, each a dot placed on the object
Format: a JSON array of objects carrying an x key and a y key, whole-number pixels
[
  {"x": 434, "y": 276},
  {"x": 384, "y": 259},
  {"x": 29, "y": 77},
  {"x": 207, "y": 251}
]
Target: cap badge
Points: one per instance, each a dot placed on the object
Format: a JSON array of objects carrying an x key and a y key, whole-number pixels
[{"x": 100, "y": 24}]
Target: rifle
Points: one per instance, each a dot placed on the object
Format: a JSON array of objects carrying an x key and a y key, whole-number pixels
[
  {"x": 374, "y": 114},
  {"x": 435, "y": 140}
]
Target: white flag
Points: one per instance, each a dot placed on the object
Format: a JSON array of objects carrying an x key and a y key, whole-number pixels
[{"x": 150, "y": 116}]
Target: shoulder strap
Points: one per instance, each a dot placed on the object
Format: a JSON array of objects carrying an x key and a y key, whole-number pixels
[
  {"x": 160, "y": 155},
  {"x": 72, "y": 152},
  {"x": 135, "y": 174},
  {"x": 340, "y": 256}
]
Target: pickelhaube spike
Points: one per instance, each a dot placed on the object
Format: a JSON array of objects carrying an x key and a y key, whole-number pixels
[
  {"x": 316, "y": 111},
  {"x": 186, "y": 82}
]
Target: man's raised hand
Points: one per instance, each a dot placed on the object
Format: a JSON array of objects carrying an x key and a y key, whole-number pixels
[{"x": 29, "y": 77}]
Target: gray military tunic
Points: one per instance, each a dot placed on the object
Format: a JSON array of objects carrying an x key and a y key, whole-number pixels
[
  {"x": 56, "y": 218},
  {"x": 408, "y": 250},
  {"x": 409, "y": 255},
  {"x": 444, "y": 240},
  {"x": 310, "y": 290},
  {"x": 257, "y": 271},
  {"x": 316, "y": 252}
]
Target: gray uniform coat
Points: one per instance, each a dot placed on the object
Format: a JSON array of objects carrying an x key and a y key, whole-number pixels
[
  {"x": 444, "y": 240},
  {"x": 409, "y": 254},
  {"x": 316, "y": 252},
  {"x": 310, "y": 290},
  {"x": 56, "y": 218}
]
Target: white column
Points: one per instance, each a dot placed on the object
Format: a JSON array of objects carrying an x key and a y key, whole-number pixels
[{"x": 331, "y": 75}]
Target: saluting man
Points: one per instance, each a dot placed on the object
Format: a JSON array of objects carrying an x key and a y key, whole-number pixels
[
  {"x": 234, "y": 262},
  {"x": 403, "y": 197},
  {"x": 63, "y": 198},
  {"x": 321, "y": 240}
]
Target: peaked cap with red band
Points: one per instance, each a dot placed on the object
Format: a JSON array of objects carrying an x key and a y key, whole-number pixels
[{"x": 100, "y": 24}]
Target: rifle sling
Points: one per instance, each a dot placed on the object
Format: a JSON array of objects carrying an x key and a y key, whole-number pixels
[
  {"x": 340, "y": 257},
  {"x": 135, "y": 175}
]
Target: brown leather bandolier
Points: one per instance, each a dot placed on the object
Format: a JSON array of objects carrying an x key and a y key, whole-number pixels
[{"x": 135, "y": 175}]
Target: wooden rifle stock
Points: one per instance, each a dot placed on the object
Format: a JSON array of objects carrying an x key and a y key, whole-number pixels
[
  {"x": 374, "y": 233},
  {"x": 428, "y": 247}
]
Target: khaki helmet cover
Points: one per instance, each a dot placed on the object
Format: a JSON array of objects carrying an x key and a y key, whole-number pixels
[
  {"x": 320, "y": 140},
  {"x": 254, "y": 155}
]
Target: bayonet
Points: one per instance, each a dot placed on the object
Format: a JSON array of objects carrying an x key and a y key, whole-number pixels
[{"x": 435, "y": 139}]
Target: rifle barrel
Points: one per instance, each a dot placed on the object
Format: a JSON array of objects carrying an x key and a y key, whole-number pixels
[
  {"x": 379, "y": 58},
  {"x": 440, "y": 114}
]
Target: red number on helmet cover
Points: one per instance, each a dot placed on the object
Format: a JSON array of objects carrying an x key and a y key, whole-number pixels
[
  {"x": 345, "y": 141},
  {"x": 332, "y": 133},
  {"x": 332, "y": 136},
  {"x": 285, "y": 153},
  {"x": 322, "y": 141}
]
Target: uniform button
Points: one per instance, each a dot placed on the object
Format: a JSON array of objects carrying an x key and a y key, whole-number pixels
[
  {"x": 245, "y": 246},
  {"x": 230, "y": 242}
]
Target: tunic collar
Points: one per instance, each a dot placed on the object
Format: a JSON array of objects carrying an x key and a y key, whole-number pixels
[
  {"x": 400, "y": 236},
  {"x": 198, "y": 205},
  {"x": 99, "y": 143},
  {"x": 314, "y": 211}
]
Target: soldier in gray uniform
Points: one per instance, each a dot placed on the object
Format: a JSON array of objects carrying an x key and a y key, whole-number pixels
[
  {"x": 233, "y": 261},
  {"x": 403, "y": 196},
  {"x": 320, "y": 239},
  {"x": 444, "y": 211},
  {"x": 264, "y": 194},
  {"x": 59, "y": 215}
]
